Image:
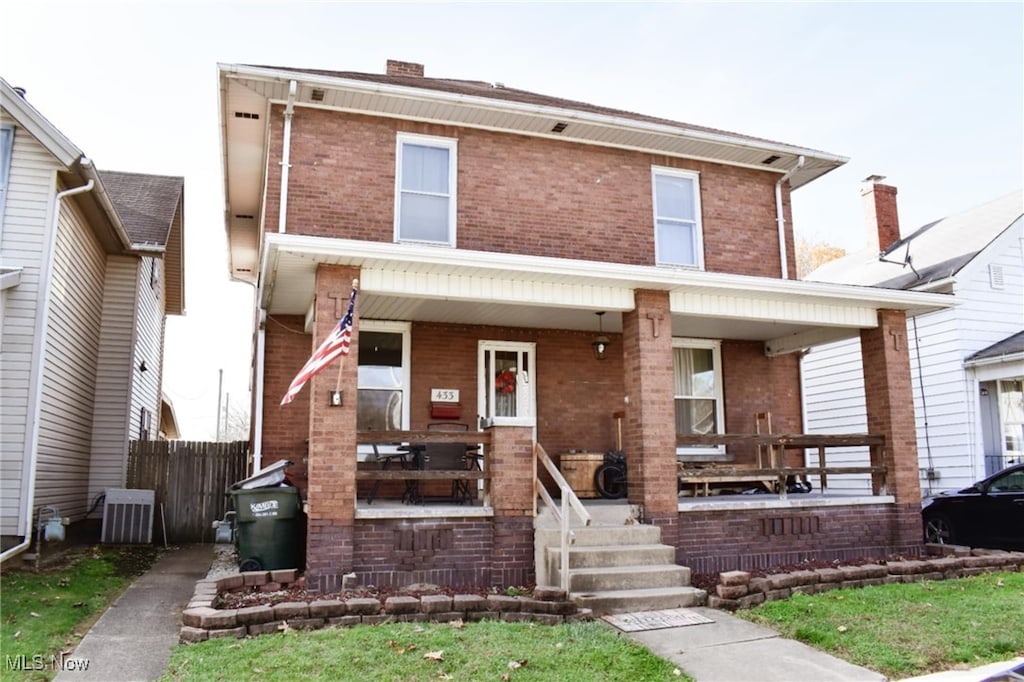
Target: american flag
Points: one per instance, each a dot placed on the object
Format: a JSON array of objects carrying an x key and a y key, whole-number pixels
[{"x": 334, "y": 346}]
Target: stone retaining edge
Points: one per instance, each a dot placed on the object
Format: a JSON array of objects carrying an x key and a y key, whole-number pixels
[
  {"x": 200, "y": 621},
  {"x": 738, "y": 590}
]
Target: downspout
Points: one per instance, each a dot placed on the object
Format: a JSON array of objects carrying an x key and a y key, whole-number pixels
[
  {"x": 780, "y": 219},
  {"x": 930, "y": 475},
  {"x": 286, "y": 155},
  {"x": 42, "y": 321},
  {"x": 257, "y": 417}
]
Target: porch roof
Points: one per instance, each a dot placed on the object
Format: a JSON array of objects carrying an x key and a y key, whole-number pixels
[{"x": 425, "y": 283}]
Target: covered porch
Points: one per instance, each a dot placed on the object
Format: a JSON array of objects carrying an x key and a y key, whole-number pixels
[{"x": 691, "y": 355}]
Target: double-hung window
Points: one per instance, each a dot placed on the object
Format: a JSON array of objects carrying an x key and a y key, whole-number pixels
[
  {"x": 697, "y": 372},
  {"x": 425, "y": 189},
  {"x": 677, "y": 229}
]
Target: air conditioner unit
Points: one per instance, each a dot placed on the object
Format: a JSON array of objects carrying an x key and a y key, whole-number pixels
[{"x": 128, "y": 517}]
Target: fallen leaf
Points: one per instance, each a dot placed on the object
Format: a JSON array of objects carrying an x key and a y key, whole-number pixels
[
  {"x": 34, "y": 614},
  {"x": 513, "y": 665},
  {"x": 841, "y": 628},
  {"x": 17, "y": 635},
  {"x": 506, "y": 677},
  {"x": 677, "y": 672},
  {"x": 444, "y": 676},
  {"x": 10, "y": 617},
  {"x": 458, "y": 624},
  {"x": 434, "y": 655},
  {"x": 1000, "y": 583},
  {"x": 411, "y": 647}
]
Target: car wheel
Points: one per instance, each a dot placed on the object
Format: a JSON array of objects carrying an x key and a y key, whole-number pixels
[{"x": 938, "y": 530}]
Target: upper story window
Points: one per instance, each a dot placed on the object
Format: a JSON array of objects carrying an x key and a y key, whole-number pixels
[
  {"x": 677, "y": 229},
  {"x": 425, "y": 189},
  {"x": 6, "y": 149}
]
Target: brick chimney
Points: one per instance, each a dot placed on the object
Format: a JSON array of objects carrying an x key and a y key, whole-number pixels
[
  {"x": 397, "y": 68},
  {"x": 883, "y": 223}
]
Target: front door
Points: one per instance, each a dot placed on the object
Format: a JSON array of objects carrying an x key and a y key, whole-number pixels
[{"x": 507, "y": 383}]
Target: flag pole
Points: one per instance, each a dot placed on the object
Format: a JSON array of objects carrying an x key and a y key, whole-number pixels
[{"x": 341, "y": 364}]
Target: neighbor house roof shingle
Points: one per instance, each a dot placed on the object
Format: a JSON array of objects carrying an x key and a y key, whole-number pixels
[{"x": 145, "y": 203}]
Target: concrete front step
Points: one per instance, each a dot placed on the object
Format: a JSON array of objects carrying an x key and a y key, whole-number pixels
[
  {"x": 589, "y": 536},
  {"x": 649, "y": 599},
  {"x": 597, "y": 556},
  {"x": 628, "y": 577}
]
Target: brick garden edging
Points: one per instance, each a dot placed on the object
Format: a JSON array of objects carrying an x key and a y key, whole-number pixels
[
  {"x": 738, "y": 590},
  {"x": 200, "y": 621}
]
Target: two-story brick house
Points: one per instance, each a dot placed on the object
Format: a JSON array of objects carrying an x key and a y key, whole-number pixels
[{"x": 487, "y": 227}]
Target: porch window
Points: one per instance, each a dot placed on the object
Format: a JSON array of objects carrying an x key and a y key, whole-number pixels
[
  {"x": 425, "y": 190},
  {"x": 697, "y": 370},
  {"x": 677, "y": 228},
  {"x": 383, "y": 379},
  {"x": 1011, "y": 413}
]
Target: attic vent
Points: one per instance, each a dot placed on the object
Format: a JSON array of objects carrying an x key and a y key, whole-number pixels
[
  {"x": 247, "y": 114},
  {"x": 771, "y": 159},
  {"x": 317, "y": 95},
  {"x": 559, "y": 127},
  {"x": 995, "y": 276},
  {"x": 245, "y": 216}
]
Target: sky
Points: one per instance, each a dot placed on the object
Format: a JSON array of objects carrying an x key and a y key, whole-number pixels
[{"x": 930, "y": 95}]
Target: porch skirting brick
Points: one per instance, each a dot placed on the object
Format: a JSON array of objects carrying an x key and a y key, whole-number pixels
[
  {"x": 328, "y": 554},
  {"x": 716, "y": 541}
]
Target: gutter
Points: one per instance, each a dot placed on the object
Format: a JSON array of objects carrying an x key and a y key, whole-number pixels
[
  {"x": 257, "y": 417},
  {"x": 286, "y": 156},
  {"x": 39, "y": 362},
  {"x": 780, "y": 220}
]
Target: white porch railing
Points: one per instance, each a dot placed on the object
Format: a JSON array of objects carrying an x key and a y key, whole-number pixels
[{"x": 561, "y": 512}]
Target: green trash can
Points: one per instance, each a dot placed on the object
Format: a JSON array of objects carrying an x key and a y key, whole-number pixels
[{"x": 269, "y": 528}]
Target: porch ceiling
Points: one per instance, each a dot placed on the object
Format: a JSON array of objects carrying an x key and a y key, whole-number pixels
[{"x": 430, "y": 284}]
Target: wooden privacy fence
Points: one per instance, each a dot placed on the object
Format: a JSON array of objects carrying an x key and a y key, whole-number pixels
[{"x": 190, "y": 479}]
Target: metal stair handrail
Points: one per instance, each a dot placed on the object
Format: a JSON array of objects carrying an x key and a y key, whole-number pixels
[{"x": 570, "y": 502}]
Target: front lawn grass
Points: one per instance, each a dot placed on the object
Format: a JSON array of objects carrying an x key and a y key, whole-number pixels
[
  {"x": 39, "y": 612},
  {"x": 909, "y": 629},
  {"x": 488, "y": 650}
]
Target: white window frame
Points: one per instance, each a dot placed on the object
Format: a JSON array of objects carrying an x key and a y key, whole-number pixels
[
  {"x": 698, "y": 231},
  {"x": 405, "y": 329},
  {"x": 526, "y": 400},
  {"x": 6, "y": 130},
  {"x": 451, "y": 145},
  {"x": 716, "y": 358}
]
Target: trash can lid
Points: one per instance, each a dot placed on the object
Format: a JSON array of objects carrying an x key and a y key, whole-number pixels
[{"x": 270, "y": 476}]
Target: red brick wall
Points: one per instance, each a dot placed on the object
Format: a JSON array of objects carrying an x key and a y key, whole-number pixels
[
  {"x": 755, "y": 383},
  {"x": 342, "y": 184},
  {"x": 332, "y": 445},
  {"x": 399, "y": 552},
  {"x": 285, "y": 429},
  {"x": 890, "y": 404},
  {"x": 650, "y": 414},
  {"x": 713, "y": 541},
  {"x": 882, "y": 221}
]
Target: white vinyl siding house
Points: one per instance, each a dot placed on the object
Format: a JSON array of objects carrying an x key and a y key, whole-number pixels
[
  {"x": 69, "y": 367},
  {"x": 952, "y": 441},
  {"x": 26, "y": 223},
  {"x": 77, "y": 312}
]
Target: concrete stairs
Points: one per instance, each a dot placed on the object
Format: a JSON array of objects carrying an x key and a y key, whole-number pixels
[{"x": 616, "y": 565}]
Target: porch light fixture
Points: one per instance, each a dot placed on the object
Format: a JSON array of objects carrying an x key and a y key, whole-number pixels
[
  {"x": 601, "y": 342},
  {"x": 334, "y": 398}
]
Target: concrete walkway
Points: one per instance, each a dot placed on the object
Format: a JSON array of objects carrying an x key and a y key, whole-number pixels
[
  {"x": 133, "y": 638},
  {"x": 730, "y": 649}
]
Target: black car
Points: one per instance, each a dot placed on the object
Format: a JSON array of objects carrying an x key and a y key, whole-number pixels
[{"x": 988, "y": 514}]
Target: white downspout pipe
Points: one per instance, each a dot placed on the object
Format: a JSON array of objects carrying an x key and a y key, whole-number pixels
[
  {"x": 286, "y": 156},
  {"x": 779, "y": 216},
  {"x": 257, "y": 417},
  {"x": 42, "y": 321}
]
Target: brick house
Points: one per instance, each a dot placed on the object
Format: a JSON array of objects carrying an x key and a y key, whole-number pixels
[{"x": 488, "y": 227}]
